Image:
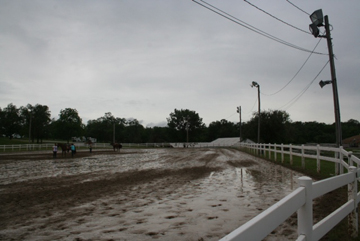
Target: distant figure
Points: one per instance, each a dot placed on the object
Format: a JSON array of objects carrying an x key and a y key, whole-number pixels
[
  {"x": 116, "y": 146},
  {"x": 90, "y": 147},
  {"x": 55, "y": 150},
  {"x": 73, "y": 149}
]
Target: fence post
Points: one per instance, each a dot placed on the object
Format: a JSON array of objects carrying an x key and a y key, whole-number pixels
[
  {"x": 352, "y": 195},
  {"x": 336, "y": 155},
  {"x": 318, "y": 158},
  {"x": 291, "y": 157},
  {"x": 341, "y": 157},
  {"x": 305, "y": 213},
  {"x": 302, "y": 156},
  {"x": 350, "y": 161},
  {"x": 282, "y": 153},
  {"x": 275, "y": 151}
]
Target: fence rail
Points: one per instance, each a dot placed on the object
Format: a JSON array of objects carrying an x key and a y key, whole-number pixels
[
  {"x": 28, "y": 147},
  {"x": 301, "y": 199}
]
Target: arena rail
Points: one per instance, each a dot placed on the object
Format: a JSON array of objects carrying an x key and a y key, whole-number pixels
[
  {"x": 337, "y": 155},
  {"x": 48, "y": 146},
  {"x": 302, "y": 198},
  {"x": 301, "y": 201}
]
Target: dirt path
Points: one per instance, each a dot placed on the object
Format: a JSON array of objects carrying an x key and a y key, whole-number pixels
[{"x": 162, "y": 194}]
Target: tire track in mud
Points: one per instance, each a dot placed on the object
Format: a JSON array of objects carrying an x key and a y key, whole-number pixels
[
  {"x": 39, "y": 197},
  {"x": 177, "y": 194}
]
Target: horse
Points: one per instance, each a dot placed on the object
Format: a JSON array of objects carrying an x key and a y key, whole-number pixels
[
  {"x": 116, "y": 146},
  {"x": 89, "y": 143},
  {"x": 64, "y": 148}
]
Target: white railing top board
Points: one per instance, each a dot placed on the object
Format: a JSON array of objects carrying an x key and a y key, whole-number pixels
[{"x": 264, "y": 223}]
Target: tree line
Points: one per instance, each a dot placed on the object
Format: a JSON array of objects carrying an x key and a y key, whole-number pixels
[{"x": 34, "y": 122}]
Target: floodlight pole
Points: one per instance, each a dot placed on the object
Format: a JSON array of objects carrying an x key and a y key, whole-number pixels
[
  {"x": 239, "y": 111},
  {"x": 255, "y": 84},
  {"x": 334, "y": 85},
  {"x": 258, "y": 138},
  {"x": 30, "y": 127},
  {"x": 114, "y": 132}
]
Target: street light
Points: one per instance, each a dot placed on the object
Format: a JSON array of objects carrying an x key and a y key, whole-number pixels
[
  {"x": 187, "y": 126},
  {"x": 238, "y": 110},
  {"x": 317, "y": 21},
  {"x": 254, "y": 84}
]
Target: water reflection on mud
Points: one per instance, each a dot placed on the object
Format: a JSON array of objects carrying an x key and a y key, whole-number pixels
[{"x": 226, "y": 188}]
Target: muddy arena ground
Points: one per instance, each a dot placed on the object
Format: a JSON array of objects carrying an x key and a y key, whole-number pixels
[{"x": 138, "y": 194}]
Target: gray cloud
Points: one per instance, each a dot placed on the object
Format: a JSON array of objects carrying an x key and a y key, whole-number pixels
[{"x": 143, "y": 59}]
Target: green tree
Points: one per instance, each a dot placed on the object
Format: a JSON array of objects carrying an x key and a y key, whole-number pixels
[
  {"x": 350, "y": 128},
  {"x": 10, "y": 121},
  {"x": 103, "y": 128},
  {"x": 38, "y": 118},
  {"x": 183, "y": 122},
  {"x": 223, "y": 128},
  {"x": 157, "y": 134},
  {"x": 134, "y": 131},
  {"x": 273, "y": 124},
  {"x": 69, "y": 124}
]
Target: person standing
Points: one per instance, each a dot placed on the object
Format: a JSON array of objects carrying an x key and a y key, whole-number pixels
[
  {"x": 90, "y": 147},
  {"x": 72, "y": 147},
  {"x": 55, "y": 150}
]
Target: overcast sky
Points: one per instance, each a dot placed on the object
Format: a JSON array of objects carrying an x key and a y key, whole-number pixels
[{"x": 142, "y": 59}]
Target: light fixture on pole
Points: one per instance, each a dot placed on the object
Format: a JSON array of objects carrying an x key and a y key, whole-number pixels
[
  {"x": 255, "y": 84},
  {"x": 317, "y": 21},
  {"x": 322, "y": 83}
]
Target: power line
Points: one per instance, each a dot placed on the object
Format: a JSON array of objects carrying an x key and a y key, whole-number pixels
[
  {"x": 302, "y": 66},
  {"x": 250, "y": 27},
  {"x": 298, "y": 8},
  {"x": 297, "y": 97},
  {"x": 276, "y": 17},
  {"x": 253, "y": 105}
]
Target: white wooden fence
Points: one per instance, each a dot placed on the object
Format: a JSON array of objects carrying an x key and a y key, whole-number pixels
[
  {"x": 25, "y": 147},
  {"x": 301, "y": 199}
]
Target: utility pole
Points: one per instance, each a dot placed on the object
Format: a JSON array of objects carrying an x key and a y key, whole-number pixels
[
  {"x": 334, "y": 85},
  {"x": 317, "y": 21},
  {"x": 114, "y": 132},
  {"x": 239, "y": 111},
  {"x": 254, "y": 84},
  {"x": 187, "y": 131},
  {"x": 30, "y": 127}
]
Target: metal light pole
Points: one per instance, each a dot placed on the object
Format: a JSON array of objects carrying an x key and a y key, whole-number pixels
[
  {"x": 114, "y": 132},
  {"x": 254, "y": 84},
  {"x": 30, "y": 127},
  {"x": 187, "y": 130},
  {"x": 239, "y": 111}
]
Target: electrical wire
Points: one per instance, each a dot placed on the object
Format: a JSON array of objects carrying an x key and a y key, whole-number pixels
[
  {"x": 253, "y": 105},
  {"x": 297, "y": 97},
  {"x": 302, "y": 66},
  {"x": 307, "y": 32},
  {"x": 298, "y": 8},
  {"x": 250, "y": 27}
]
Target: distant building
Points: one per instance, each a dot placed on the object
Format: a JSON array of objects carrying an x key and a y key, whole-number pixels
[
  {"x": 83, "y": 139},
  {"x": 353, "y": 141}
]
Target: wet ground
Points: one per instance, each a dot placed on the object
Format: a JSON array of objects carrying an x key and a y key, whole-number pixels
[{"x": 146, "y": 194}]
